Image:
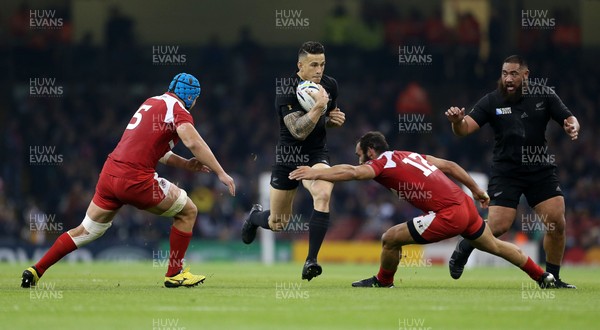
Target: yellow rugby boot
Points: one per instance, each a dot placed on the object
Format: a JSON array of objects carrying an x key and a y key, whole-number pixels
[{"x": 184, "y": 278}]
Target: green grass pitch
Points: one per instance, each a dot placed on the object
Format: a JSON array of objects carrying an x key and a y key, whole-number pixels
[{"x": 254, "y": 296}]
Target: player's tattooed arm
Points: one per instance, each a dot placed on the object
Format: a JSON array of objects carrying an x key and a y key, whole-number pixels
[{"x": 300, "y": 124}]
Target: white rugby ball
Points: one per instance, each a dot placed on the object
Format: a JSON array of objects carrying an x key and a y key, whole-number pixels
[{"x": 303, "y": 92}]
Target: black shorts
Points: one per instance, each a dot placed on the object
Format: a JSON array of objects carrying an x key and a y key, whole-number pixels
[
  {"x": 284, "y": 166},
  {"x": 505, "y": 188}
]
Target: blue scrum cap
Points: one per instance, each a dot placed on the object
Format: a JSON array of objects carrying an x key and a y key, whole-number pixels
[{"x": 186, "y": 87}]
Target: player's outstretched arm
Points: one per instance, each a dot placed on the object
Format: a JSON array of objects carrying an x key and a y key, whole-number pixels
[
  {"x": 461, "y": 125},
  {"x": 342, "y": 172},
  {"x": 201, "y": 151},
  {"x": 454, "y": 170}
]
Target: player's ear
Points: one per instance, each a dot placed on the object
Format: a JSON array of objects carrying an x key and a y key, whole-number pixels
[{"x": 371, "y": 154}]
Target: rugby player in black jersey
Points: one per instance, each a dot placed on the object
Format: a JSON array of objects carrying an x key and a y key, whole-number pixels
[
  {"x": 302, "y": 141},
  {"x": 519, "y": 111}
]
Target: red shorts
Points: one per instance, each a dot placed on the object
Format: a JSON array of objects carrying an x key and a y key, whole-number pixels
[
  {"x": 113, "y": 192},
  {"x": 462, "y": 219}
]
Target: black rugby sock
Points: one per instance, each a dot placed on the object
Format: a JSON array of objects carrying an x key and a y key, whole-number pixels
[
  {"x": 553, "y": 269},
  {"x": 317, "y": 228},
  {"x": 261, "y": 219}
]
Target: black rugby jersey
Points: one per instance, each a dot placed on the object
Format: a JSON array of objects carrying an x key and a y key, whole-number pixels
[
  {"x": 286, "y": 103},
  {"x": 520, "y": 127}
]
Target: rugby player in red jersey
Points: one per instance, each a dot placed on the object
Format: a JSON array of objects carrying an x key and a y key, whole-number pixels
[
  {"x": 421, "y": 180},
  {"x": 129, "y": 177}
]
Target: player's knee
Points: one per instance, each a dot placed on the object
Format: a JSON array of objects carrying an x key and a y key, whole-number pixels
[
  {"x": 180, "y": 206},
  {"x": 92, "y": 231},
  {"x": 519, "y": 249},
  {"x": 499, "y": 227},
  {"x": 556, "y": 225},
  {"x": 188, "y": 214},
  {"x": 389, "y": 239},
  {"x": 321, "y": 197},
  {"x": 193, "y": 209}
]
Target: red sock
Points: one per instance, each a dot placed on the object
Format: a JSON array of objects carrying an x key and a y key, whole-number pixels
[
  {"x": 385, "y": 277},
  {"x": 179, "y": 242},
  {"x": 532, "y": 269},
  {"x": 62, "y": 246}
]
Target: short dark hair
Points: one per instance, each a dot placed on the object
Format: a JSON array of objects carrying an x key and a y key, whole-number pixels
[
  {"x": 374, "y": 140},
  {"x": 517, "y": 59},
  {"x": 311, "y": 47}
]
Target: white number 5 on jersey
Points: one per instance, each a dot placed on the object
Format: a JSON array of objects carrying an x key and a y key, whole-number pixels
[{"x": 138, "y": 116}]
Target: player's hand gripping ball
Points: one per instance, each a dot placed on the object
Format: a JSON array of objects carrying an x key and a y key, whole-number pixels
[{"x": 303, "y": 93}]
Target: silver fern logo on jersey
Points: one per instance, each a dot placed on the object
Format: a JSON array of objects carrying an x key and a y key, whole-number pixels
[
  {"x": 288, "y": 19},
  {"x": 42, "y": 19},
  {"x": 168, "y": 55}
]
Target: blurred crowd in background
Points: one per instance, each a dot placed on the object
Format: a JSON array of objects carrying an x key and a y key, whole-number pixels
[{"x": 102, "y": 86}]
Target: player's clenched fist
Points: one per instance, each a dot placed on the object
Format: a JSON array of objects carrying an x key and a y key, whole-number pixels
[
  {"x": 336, "y": 118},
  {"x": 572, "y": 128},
  {"x": 455, "y": 115}
]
